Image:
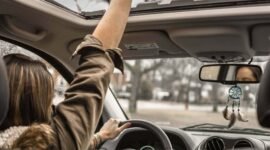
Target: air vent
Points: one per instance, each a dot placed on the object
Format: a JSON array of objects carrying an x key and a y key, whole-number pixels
[
  {"x": 243, "y": 145},
  {"x": 214, "y": 144}
]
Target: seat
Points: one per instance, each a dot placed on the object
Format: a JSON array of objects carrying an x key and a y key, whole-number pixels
[
  {"x": 263, "y": 98},
  {"x": 4, "y": 91}
]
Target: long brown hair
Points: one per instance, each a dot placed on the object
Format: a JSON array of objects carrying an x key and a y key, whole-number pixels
[{"x": 31, "y": 91}]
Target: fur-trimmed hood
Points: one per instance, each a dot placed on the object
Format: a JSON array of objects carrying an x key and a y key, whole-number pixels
[
  {"x": 9, "y": 136},
  {"x": 38, "y": 137}
]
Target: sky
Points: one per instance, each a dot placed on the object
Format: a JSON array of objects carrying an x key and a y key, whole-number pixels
[{"x": 90, "y": 5}]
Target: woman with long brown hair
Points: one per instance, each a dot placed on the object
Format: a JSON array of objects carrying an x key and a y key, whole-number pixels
[
  {"x": 29, "y": 124},
  {"x": 32, "y": 88}
]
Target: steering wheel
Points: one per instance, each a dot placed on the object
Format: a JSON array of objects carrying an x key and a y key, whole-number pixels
[{"x": 157, "y": 131}]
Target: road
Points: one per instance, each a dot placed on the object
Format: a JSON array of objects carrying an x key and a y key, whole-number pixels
[{"x": 174, "y": 114}]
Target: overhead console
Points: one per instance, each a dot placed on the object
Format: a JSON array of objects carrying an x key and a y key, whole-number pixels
[
  {"x": 212, "y": 44},
  {"x": 149, "y": 44}
]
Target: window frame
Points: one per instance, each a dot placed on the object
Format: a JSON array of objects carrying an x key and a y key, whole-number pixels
[{"x": 62, "y": 69}]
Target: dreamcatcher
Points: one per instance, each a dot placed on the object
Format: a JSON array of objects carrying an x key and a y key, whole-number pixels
[{"x": 234, "y": 98}]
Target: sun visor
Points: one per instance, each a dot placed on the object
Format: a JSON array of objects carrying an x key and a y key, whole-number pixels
[
  {"x": 149, "y": 44},
  {"x": 261, "y": 39},
  {"x": 223, "y": 44}
]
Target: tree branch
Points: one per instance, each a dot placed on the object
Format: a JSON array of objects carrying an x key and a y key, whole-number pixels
[
  {"x": 129, "y": 67},
  {"x": 153, "y": 67},
  {"x": 78, "y": 6}
]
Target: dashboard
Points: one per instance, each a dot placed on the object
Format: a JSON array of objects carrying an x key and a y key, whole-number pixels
[
  {"x": 237, "y": 143},
  {"x": 142, "y": 139}
]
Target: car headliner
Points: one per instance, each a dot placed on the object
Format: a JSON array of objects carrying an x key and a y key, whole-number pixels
[{"x": 224, "y": 34}]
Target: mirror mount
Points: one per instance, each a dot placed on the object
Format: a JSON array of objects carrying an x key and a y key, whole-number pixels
[{"x": 251, "y": 59}]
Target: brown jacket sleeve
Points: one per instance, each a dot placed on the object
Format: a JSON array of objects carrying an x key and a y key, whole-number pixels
[{"x": 76, "y": 117}]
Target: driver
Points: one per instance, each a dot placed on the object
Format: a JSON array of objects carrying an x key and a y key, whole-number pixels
[
  {"x": 29, "y": 124},
  {"x": 247, "y": 73}
]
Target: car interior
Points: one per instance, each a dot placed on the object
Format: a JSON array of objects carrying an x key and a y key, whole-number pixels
[
  {"x": 3, "y": 90},
  {"x": 222, "y": 32}
]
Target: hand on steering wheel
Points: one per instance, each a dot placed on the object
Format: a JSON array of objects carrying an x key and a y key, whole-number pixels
[{"x": 111, "y": 129}]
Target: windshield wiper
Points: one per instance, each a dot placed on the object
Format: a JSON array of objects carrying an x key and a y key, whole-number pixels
[
  {"x": 252, "y": 131},
  {"x": 205, "y": 126},
  {"x": 208, "y": 127}
]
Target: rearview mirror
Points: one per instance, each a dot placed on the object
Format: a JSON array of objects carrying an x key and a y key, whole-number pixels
[{"x": 231, "y": 73}]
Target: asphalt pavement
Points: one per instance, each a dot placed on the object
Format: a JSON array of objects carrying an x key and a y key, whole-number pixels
[{"x": 175, "y": 114}]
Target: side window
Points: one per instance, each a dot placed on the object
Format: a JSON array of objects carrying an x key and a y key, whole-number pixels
[{"x": 60, "y": 83}]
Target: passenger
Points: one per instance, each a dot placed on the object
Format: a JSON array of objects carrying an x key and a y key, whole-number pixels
[
  {"x": 29, "y": 124},
  {"x": 248, "y": 73}
]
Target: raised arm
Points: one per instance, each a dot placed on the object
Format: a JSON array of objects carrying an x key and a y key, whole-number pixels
[
  {"x": 76, "y": 118},
  {"x": 111, "y": 28}
]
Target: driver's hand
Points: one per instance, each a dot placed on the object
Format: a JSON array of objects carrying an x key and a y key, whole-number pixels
[{"x": 111, "y": 130}]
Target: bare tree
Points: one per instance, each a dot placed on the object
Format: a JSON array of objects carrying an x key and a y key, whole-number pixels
[
  {"x": 80, "y": 8},
  {"x": 183, "y": 72},
  {"x": 215, "y": 97},
  {"x": 138, "y": 71}
]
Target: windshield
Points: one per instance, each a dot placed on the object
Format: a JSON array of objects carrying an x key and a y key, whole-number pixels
[
  {"x": 168, "y": 92},
  {"x": 92, "y": 8}
]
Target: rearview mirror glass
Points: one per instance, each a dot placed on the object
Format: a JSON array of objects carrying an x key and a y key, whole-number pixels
[{"x": 231, "y": 73}]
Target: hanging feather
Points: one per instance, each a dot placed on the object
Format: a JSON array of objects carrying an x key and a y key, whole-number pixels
[
  {"x": 241, "y": 117},
  {"x": 232, "y": 119},
  {"x": 226, "y": 113}
]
